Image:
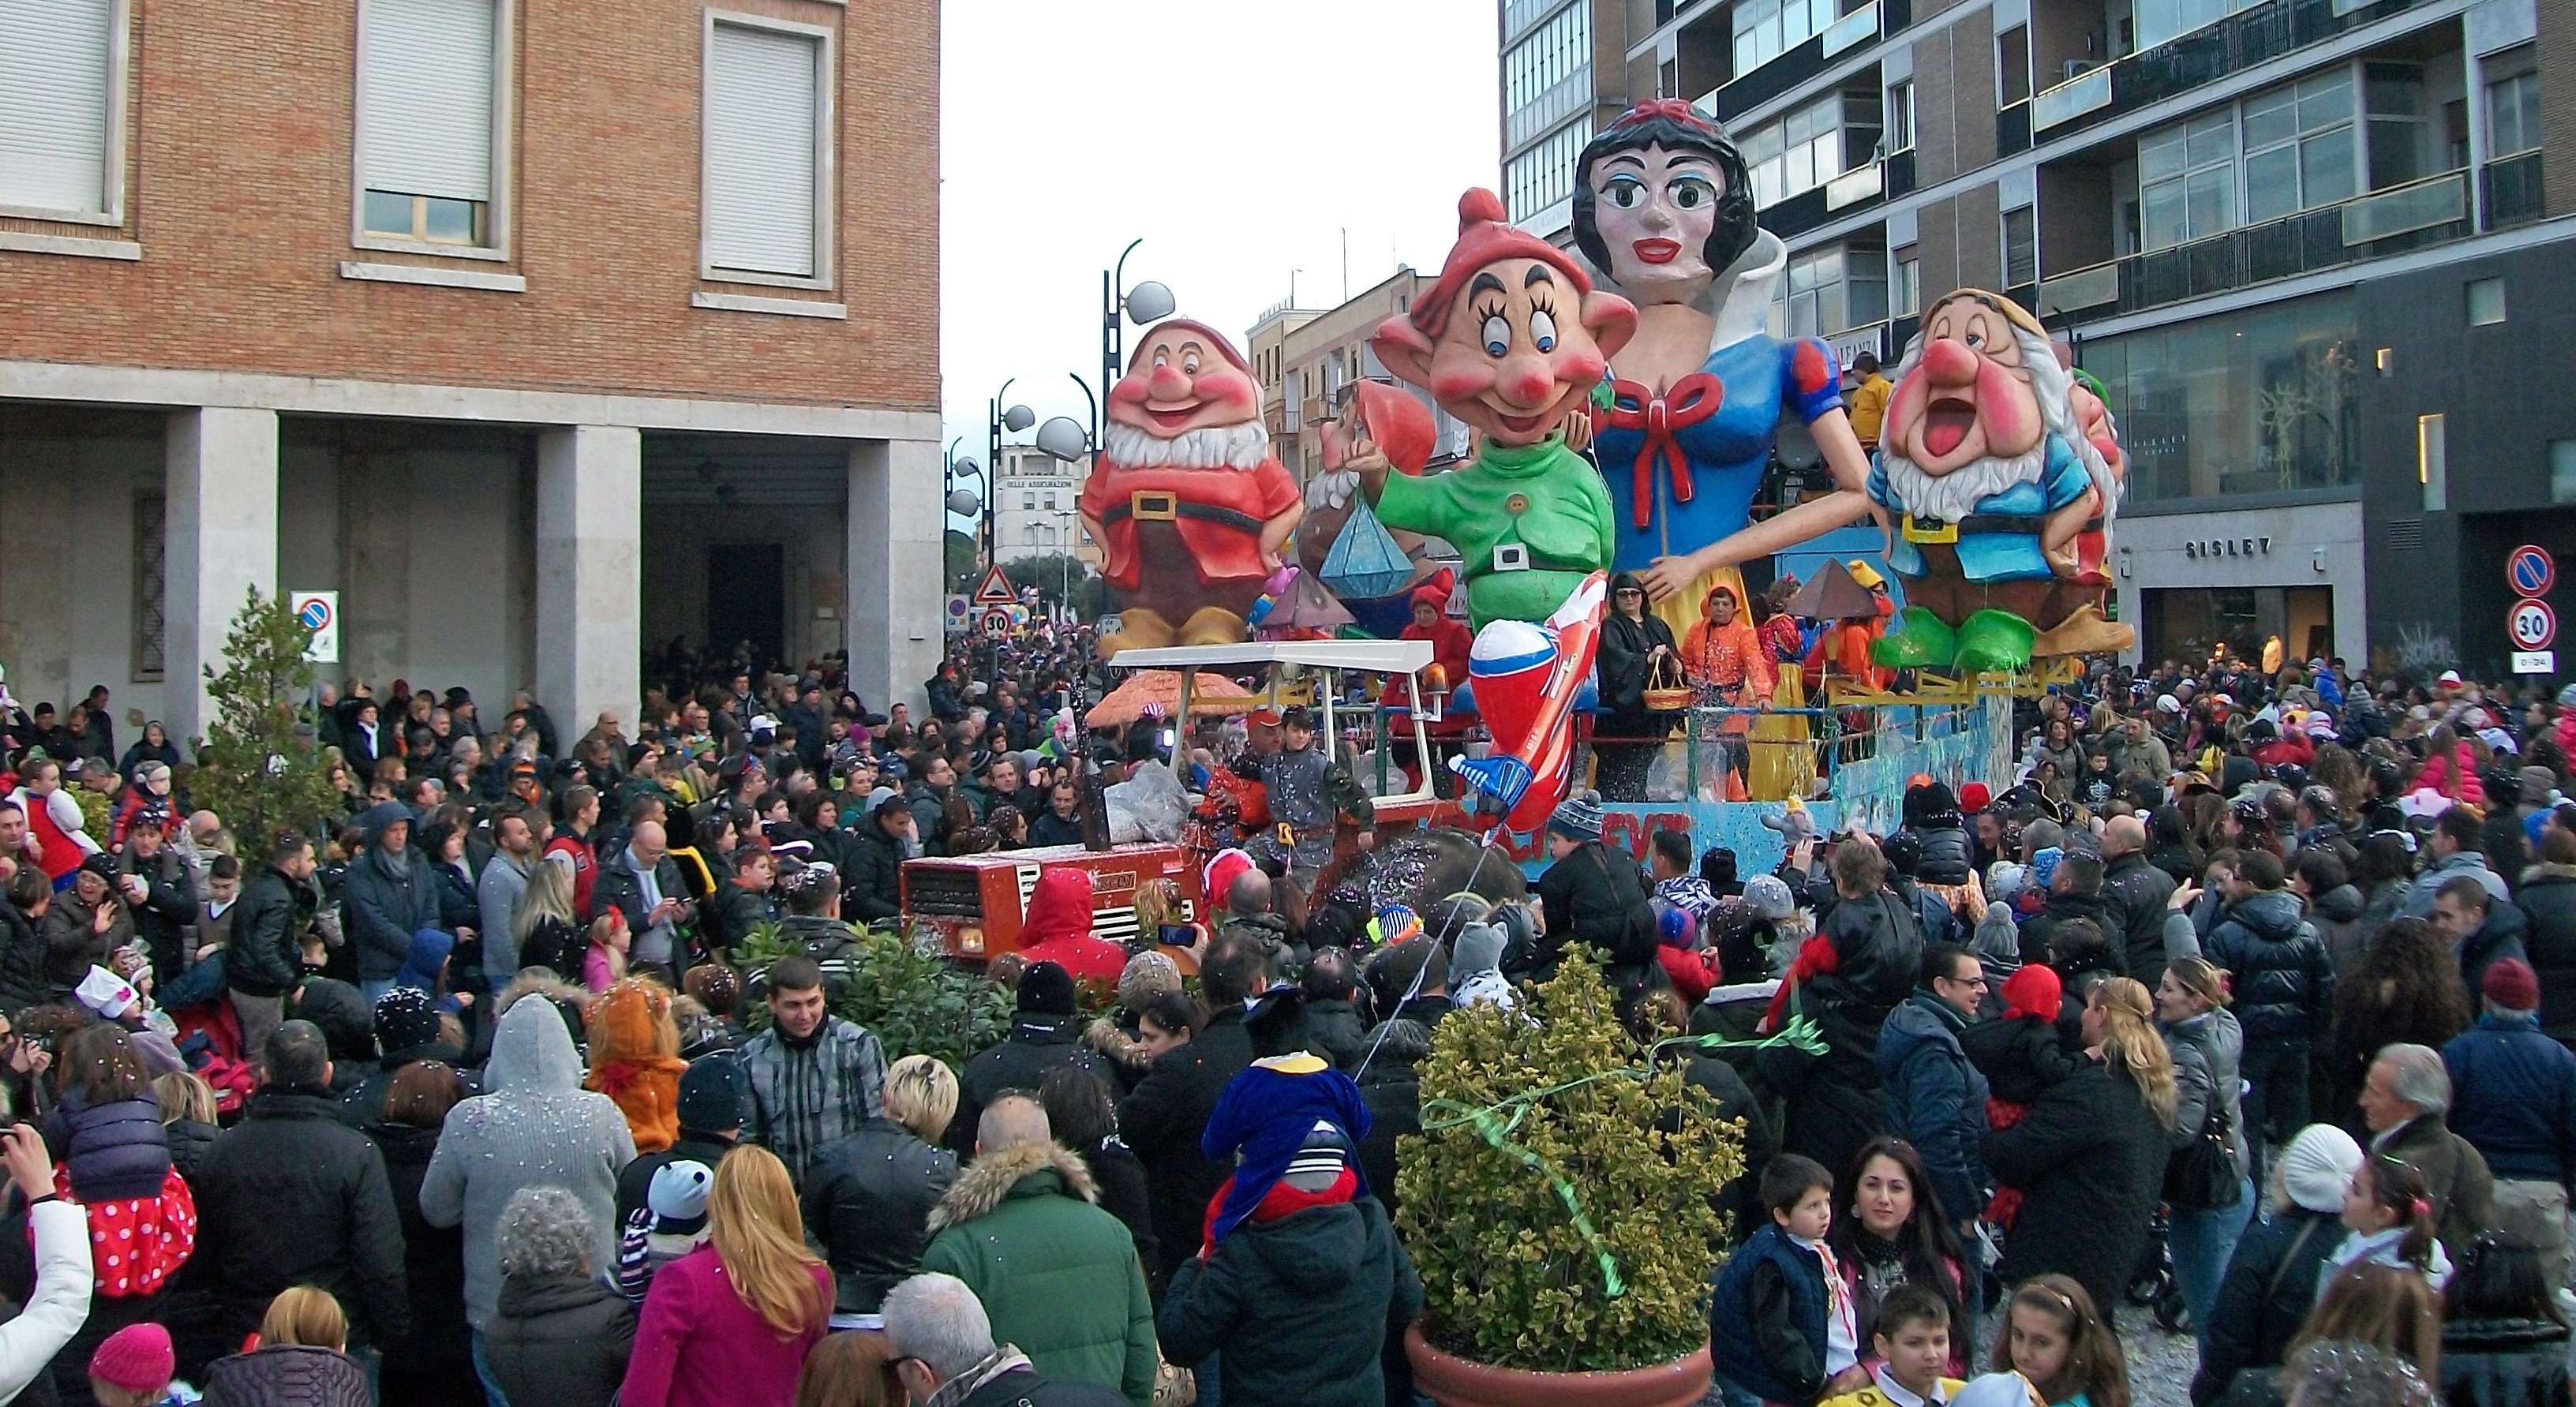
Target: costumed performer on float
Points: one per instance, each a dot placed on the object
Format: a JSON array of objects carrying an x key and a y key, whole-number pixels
[
  {"x": 1185, "y": 499},
  {"x": 1511, "y": 340},
  {"x": 1451, "y": 650},
  {"x": 1727, "y": 662},
  {"x": 2003, "y": 476},
  {"x": 1664, "y": 208}
]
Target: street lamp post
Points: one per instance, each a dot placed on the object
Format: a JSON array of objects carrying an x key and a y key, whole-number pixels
[
  {"x": 964, "y": 503},
  {"x": 1147, "y": 303},
  {"x": 1062, "y": 438},
  {"x": 998, "y": 419}
]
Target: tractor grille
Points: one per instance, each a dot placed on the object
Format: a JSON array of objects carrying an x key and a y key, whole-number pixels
[{"x": 948, "y": 893}]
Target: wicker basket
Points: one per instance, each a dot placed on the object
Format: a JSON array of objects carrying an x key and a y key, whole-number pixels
[{"x": 1667, "y": 691}]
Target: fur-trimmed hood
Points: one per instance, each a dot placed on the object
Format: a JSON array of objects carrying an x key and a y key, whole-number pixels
[
  {"x": 538, "y": 981},
  {"x": 981, "y": 1189}
]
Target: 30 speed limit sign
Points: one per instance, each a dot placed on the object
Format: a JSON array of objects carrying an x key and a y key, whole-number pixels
[{"x": 2532, "y": 625}]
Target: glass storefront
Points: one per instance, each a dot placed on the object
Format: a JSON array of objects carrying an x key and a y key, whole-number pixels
[
  {"x": 2189, "y": 623},
  {"x": 2261, "y": 401}
]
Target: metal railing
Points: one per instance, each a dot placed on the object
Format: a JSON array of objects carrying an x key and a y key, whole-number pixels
[
  {"x": 2430, "y": 211},
  {"x": 2205, "y": 55},
  {"x": 2509, "y": 190}
]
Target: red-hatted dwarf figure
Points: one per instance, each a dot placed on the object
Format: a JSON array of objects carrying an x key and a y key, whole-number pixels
[
  {"x": 1451, "y": 646},
  {"x": 1511, "y": 340},
  {"x": 1993, "y": 469},
  {"x": 1185, "y": 499}
]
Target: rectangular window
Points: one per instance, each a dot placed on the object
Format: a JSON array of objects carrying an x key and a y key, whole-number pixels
[
  {"x": 2021, "y": 247},
  {"x": 2513, "y": 115},
  {"x": 1544, "y": 175},
  {"x": 2486, "y": 302},
  {"x": 151, "y": 635},
  {"x": 2432, "y": 463},
  {"x": 1766, "y": 29},
  {"x": 1028, "y": 502},
  {"x": 2401, "y": 124},
  {"x": 1800, "y": 152},
  {"x": 2299, "y": 147},
  {"x": 428, "y": 93},
  {"x": 2562, "y": 471},
  {"x": 2012, "y": 66},
  {"x": 1907, "y": 292},
  {"x": 62, "y": 96},
  {"x": 2187, "y": 180},
  {"x": 1900, "y": 116},
  {"x": 768, "y": 152},
  {"x": 1831, "y": 290}
]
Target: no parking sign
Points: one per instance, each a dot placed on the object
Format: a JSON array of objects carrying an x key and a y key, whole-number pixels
[{"x": 319, "y": 611}]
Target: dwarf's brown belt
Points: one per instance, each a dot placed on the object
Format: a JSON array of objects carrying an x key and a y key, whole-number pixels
[
  {"x": 2026, "y": 525},
  {"x": 1148, "y": 506}
]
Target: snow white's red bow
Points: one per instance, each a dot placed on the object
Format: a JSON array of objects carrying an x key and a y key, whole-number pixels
[
  {"x": 1678, "y": 109},
  {"x": 1689, "y": 401}
]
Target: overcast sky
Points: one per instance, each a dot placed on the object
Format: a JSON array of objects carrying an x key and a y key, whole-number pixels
[{"x": 1238, "y": 139}]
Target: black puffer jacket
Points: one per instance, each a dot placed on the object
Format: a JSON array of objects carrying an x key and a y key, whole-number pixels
[
  {"x": 288, "y": 1375},
  {"x": 868, "y": 1198},
  {"x": 1298, "y": 1310},
  {"x": 1038, "y": 1043},
  {"x": 22, "y": 961},
  {"x": 2039, "y": 940},
  {"x": 1833, "y": 1103},
  {"x": 189, "y": 1141},
  {"x": 561, "y": 1341},
  {"x": 2283, "y": 978},
  {"x": 2337, "y": 916},
  {"x": 1947, "y": 857},
  {"x": 114, "y": 1150},
  {"x": 2504, "y": 1363},
  {"x": 2548, "y": 899},
  {"x": 2270, "y": 1286}
]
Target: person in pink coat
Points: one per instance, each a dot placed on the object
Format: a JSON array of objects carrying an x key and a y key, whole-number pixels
[{"x": 729, "y": 1324}]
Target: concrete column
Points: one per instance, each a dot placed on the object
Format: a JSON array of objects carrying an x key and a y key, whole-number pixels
[
  {"x": 894, "y": 577},
  {"x": 590, "y": 573},
  {"x": 222, "y": 542}
]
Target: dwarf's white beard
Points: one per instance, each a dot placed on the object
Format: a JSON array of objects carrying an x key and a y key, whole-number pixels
[
  {"x": 1947, "y": 498},
  {"x": 1242, "y": 446}
]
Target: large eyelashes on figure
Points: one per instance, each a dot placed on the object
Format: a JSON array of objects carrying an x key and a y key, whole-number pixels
[{"x": 1495, "y": 330}]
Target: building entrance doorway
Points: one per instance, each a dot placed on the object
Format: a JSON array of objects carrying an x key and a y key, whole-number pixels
[{"x": 747, "y": 597}]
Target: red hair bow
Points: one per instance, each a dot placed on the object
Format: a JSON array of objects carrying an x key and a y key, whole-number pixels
[{"x": 1678, "y": 109}]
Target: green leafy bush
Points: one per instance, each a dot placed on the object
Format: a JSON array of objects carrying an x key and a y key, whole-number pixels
[
  {"x": 904, "y": 989},
  {"x": 1568, "y": 1108}
]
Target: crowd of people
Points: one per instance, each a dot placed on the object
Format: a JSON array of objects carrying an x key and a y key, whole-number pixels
[{"x": 2244, "y": 1006}]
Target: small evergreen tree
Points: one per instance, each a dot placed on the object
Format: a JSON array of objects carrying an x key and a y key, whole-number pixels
[{"x": 260, "y": 764}]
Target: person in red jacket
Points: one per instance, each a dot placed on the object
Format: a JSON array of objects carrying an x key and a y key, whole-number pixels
[
  {"x": 2275, "y": 748},
  {"x": 1058, "y": 930},
  {"x": 581, "y": 822},
  {"x": 1450, "y": 642}
]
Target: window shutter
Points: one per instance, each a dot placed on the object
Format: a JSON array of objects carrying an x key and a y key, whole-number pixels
[
  {"x": 425, "y": 88},
  {"x": 760, "y": 150},
  {"x": 53, "y": 104}
]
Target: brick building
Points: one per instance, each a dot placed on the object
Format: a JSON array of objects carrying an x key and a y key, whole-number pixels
[{"x": 538, "y": 332}]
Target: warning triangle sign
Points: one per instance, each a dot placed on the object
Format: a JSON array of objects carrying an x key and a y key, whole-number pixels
[{"x": 995, "y": 589}]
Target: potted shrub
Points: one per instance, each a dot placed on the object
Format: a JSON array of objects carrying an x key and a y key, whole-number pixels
[{"x": 1559, "y": 1207}]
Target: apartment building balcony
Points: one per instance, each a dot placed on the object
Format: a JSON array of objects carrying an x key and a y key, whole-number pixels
[
  {"x": 1752, "y": 87},
  {"x": 2393, "y": 221},
  {"x": 2253, "y": 35},
  {"x": 2509, "y": 190}
]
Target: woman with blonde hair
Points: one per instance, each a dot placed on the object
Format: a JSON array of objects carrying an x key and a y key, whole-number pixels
[
  {"x": 729, "y": 1324},
  {"x": 635, "y": 1059},
  {"x": 544, "y": 933},
  {"x": 300, "y": 1359},
  {"x": 2089, "y": 1155},
  {"x": 869, "y": 1196}
]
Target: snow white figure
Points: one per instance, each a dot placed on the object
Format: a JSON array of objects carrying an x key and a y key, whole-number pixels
[{"x": 1663, "y": 206}]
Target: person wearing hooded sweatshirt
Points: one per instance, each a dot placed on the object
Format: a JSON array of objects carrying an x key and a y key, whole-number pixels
[
  {"x": 1058, "y": 929},
  {"x": 536, "y": 1127},
  {"x": 2283, "y": 989},
  {"x": 2271, "y": 1282},
  {"x": 1302, "y": 1281},
  {"x": 1046, "y": 1034},
  {"x": 391, "y": 895}
]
